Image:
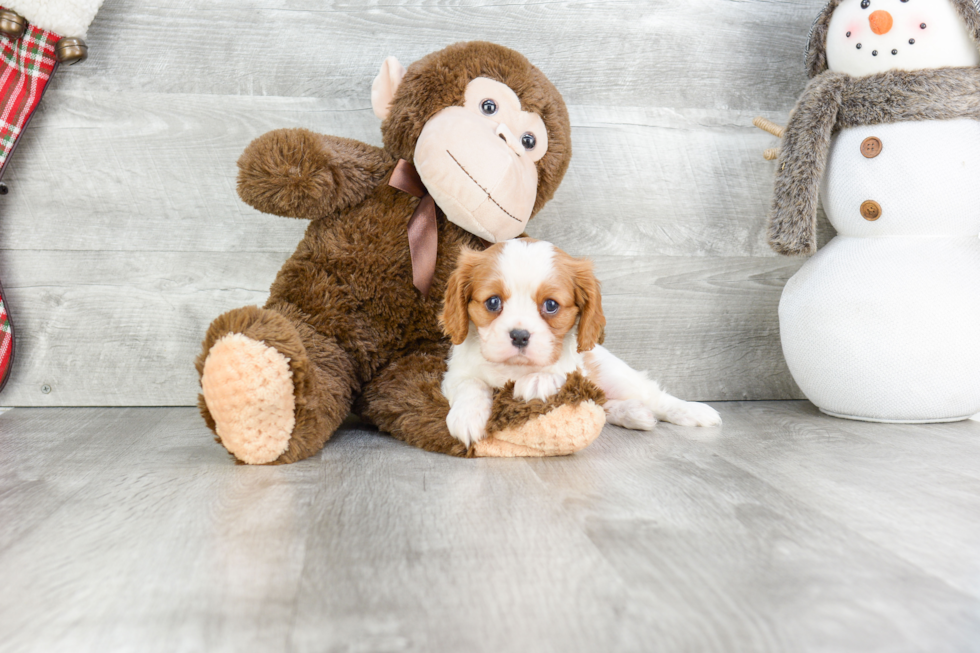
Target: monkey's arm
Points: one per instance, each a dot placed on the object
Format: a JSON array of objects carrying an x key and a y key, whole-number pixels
[{"x": 297, "y": 173}]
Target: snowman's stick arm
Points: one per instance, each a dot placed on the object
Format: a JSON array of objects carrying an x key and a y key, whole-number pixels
[
  {"x": 769, "y": 126},
  {"x": 772, "y": 153}
]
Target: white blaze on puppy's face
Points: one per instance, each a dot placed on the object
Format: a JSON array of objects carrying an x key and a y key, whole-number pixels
[
  {"x": 865, "y": 37},
  {"x": 478, "y": 161},
  {"x": 517, "y": 333}
]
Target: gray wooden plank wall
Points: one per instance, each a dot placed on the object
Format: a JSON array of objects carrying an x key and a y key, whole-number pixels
[{"x": 122, "y": 236}]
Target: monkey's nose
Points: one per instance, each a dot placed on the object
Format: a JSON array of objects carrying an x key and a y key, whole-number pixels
[
  {"x": 881, "y": 21},
  {"x": 519, "y": 338},
  {"x": 503, "y": 131}
]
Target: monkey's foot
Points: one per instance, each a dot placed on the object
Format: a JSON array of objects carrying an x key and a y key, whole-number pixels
[
  {"x": 248, "y": 389},
  {"x": 568, "y": 422}
]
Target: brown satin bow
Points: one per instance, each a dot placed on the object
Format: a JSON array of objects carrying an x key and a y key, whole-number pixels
[{"x": 423, "y": 231}]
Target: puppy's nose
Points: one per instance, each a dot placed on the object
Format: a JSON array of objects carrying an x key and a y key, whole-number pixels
[{"x": 520, "y": 337}]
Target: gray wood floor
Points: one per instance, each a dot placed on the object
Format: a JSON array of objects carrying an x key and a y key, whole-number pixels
[{"x": 127, "y": 529}]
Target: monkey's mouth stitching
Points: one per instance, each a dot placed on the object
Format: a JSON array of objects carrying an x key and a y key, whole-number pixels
[{"x": 482, "y": 188}]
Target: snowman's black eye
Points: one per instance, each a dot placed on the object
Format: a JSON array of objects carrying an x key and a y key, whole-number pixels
[
  {"x": 859, "y": 46},
  {"x": 922, "y": 26},
  {"x": 865, "y": 4},
  {"x": 874, "y": 53},
  {"x": 894, "y": 51},
  {"x": 528, "y": 141},
  {"x": 848, "y": 35},
  {"x": 911, "y": 41},
  {"x": 489, "y": 107}
]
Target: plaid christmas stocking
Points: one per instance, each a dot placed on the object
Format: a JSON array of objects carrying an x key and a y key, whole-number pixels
[{"x": 35, "y": 36}]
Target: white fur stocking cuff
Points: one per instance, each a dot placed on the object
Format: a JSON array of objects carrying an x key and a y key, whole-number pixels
[{"x": 63, "y": 17}]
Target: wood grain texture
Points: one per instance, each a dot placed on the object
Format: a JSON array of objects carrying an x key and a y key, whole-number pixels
[
  {"x": 782, "y": 530},
  {"x": 162, "y": 177},
  {"x": 117, "y": 263},
  {"x": 123, "y": 328},
  {"x": 673, "y": 53}
]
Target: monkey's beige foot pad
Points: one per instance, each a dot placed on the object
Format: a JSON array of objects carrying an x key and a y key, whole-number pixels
[
  {"x": 563, "y": 431},
  {"x": 248, "y": 388},
  {"x": 568, "y": 422}
]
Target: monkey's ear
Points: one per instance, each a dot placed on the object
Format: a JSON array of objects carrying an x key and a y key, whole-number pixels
[{"x": 384, "y": 86}]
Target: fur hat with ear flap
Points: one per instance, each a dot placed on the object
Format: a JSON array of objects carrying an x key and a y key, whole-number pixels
[{"x": 871, "y": 62}]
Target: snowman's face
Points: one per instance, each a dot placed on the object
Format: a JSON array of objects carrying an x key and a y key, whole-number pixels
[{"x": 872, "y": 36}]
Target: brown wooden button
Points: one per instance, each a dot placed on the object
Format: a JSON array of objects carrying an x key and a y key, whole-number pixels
[
  {"x": 871, "y": 147},
  {"x": 871, "y": 210}
]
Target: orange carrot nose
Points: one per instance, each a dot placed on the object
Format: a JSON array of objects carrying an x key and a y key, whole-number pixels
[{"x": 881, "y": 21}]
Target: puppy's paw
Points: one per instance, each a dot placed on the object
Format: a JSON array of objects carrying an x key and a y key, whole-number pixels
[
  {"x": 691, "y": 413},
  {"x": 539, "y": 385},
  {"x": 467, "y": 421},
  {"x": 630, "y": 414}
]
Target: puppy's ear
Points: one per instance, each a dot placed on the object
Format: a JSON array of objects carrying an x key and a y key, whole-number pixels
[
  {"x": 591, "y": 321},
  {"x": 455, "y": 318}
]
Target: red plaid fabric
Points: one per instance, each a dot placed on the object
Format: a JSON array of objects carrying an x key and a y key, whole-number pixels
[
  {"x": 6, "y": 343},
  {"x": 26, "y": 65}
]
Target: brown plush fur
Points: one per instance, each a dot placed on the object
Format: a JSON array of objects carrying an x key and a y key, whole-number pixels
[
  {"x": 816, "y": 49},
  {"x": 343, "y": 308},
  {"x": 509, "y": 412},
  {"x": 835, "y": 101},
  {"x": 307, "y": 175}
]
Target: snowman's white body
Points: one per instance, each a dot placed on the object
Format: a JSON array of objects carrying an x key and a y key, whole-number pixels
[{"x": 883, "y": 323}]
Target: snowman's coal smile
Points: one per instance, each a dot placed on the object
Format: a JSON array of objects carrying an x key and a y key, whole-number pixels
[{"x": 881, "y": 23}]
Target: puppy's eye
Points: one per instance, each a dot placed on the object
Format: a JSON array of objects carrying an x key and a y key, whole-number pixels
[
  {"x": 550, "y": 306},
  {"x": 488, "y": 107},
  {"x": 528, "y": 141},
  {"x": 493, "y": 304}
]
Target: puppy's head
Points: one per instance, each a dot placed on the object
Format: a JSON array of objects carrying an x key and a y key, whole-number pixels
[{"x": 524, "y": 296}]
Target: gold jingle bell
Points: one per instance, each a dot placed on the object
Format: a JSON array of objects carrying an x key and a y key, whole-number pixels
[
  {"x": 12, "y": 24},
  {"x": 71, "y": 50}
]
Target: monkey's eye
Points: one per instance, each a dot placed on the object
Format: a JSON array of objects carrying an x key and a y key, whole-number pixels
[
  {"x": 528, "y": 141},
  {"x": 865, "y": 4},
  {"x": 493, "y": 304},
  {"x": 489, "y": 107},
  {"x": 550, "y": 306}
]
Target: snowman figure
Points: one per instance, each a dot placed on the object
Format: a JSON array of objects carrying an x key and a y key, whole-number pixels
[{"x": 883, "y": 323}]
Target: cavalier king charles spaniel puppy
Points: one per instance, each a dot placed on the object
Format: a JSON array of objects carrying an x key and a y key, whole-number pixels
[{"x": 525, "y": 311}]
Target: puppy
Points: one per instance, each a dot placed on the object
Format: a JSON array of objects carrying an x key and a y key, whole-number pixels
[{"x": 525, "y": 311}]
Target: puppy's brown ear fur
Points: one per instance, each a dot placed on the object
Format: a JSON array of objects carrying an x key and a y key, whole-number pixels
[
  {"x": 591, "y": 321},
  {"x": 455, "y": 318}
]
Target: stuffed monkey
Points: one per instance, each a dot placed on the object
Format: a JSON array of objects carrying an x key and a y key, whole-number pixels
[{"x": 476, "y": 141}]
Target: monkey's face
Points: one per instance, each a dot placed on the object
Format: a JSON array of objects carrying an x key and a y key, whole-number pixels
[{"x": 478, "y": 160}]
